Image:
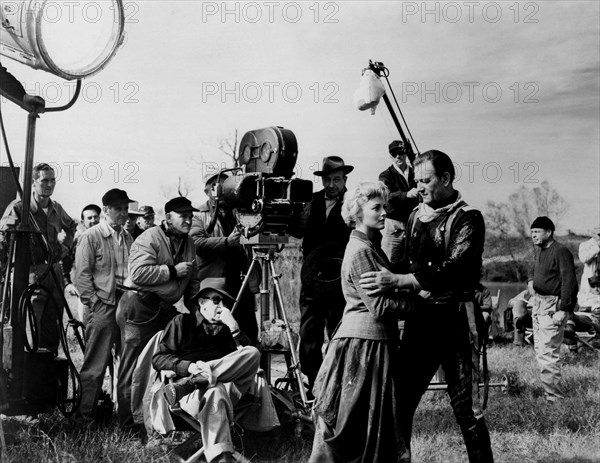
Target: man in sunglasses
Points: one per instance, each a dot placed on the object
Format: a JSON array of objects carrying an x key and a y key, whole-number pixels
[
  {"x": 207, "y": 349},
  {"x": 400, "y": 179}
]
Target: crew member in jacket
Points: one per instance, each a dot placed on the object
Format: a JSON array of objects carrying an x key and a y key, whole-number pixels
[
  {"x": 100, "y": 272},
  {"x": 400, "y": 180},
  {"x": 325, "y": 238},
  {"x": 162, "y": 269},
  {"x": 219, "y": 254}
]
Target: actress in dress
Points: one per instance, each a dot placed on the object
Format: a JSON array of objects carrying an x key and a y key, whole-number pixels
[{"x": 355, "y": 389}]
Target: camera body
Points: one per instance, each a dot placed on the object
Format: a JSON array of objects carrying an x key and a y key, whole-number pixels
[
  {"x": 266, "y": 199},
  {"x": 270, "y": 151}
]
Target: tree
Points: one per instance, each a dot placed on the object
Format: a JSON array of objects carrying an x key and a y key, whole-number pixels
[
  {"x": 184, "y": 188},
  {"x": 228, "y": 146},
  {"x": 508, "y": 224}
]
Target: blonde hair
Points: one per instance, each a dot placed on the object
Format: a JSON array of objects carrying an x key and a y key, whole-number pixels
[{"x": 355, "y": 199}]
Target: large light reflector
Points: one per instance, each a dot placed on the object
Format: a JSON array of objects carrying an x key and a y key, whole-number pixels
[{"x": 72, "y": 39}]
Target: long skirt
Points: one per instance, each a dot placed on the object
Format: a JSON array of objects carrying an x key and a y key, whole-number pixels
[{"x": 355, "y": 394}]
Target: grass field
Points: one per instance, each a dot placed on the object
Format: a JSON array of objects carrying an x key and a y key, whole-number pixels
[{"x": 523, "y": 427}]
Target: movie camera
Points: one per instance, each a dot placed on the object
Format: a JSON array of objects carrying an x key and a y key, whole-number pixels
[{"x": 266, "y": 199}]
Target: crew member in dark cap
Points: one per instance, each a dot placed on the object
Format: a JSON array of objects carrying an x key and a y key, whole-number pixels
[
  {"x": 325, "y": 237},
  {"x": 554, "y": 295},
  {"x": 146, "y": 220},
  {"x": 400, "y": 180},
  {"x": 100, "y": 272},
  {"x": 220, "y": 254},
  {"x": 162, "y": 269},
  {"x": 131, "y": 224}
]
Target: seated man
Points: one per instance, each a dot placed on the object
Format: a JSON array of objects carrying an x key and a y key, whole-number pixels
[
  {"x": 587, "y": 319},
  {"x": 484, "y": 299},
  {"x": 521, "y": 316},
  {"x": 205, "y": 349}
]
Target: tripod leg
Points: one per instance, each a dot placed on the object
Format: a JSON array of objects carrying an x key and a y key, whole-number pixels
[
  {"x": 244, "y": 285},
  {"x": 281, "y": 308}
]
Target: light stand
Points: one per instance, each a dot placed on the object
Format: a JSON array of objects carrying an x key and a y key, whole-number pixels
[{"x": 14, "y": 362}]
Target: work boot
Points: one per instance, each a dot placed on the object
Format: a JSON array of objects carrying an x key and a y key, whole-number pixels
[
  {"x": 226, "y": 457},
  {"x": 519, "y": 339},
  {"x": 174, "y": 392},
  {"x": 477, "y": 441}
]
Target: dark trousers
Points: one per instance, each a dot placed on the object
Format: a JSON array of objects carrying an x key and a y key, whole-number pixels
[
  {"x": 101, "y": 337},
  {"x": 317, "y": 314},
  {"x": 245, "y": 315},
  {"x": 137, "y": 327},
  {"x": 437, "y": 335},
  {"x": 48, "y": 308}
]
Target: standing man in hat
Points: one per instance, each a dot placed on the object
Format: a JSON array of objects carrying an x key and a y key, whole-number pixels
[
  {"x": 146, "y": 220},
  {"x": 442, "y": 263},
  {"x": 554, "y": 295},
  {"x": 162, "y": 269},
  {"x": 325, "y": 238},
  {"x": 219, "y": 253},
  {"x": 400, "y": 180},
  {"x": 131, "y": 224},
  {"x": 100, "y": 272},
  {"x": 51, "y": 219}
]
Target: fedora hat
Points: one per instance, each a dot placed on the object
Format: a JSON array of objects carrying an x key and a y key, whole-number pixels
[
  {"x": 146, "y": 211},
  {"x": 216, "y": 284},
  {"x": 331, "y": 163}
]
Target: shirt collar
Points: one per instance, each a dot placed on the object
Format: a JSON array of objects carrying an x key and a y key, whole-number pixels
[
  {"x": 107, "y": 230},
  {"x": 35, "y": 206}
]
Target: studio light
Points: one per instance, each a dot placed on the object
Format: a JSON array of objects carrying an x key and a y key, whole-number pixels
[{"x": 71, "y": 39}]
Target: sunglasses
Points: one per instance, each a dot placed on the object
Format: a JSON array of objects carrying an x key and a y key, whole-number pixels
[
  {"x": 216, "y": 299},
  {"x": 396, "y": 154}
]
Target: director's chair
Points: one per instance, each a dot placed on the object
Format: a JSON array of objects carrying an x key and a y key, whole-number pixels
[{"x": 151, "y": 409}]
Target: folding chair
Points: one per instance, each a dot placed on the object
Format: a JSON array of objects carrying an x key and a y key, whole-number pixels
[{"x": 151, "y": 409}]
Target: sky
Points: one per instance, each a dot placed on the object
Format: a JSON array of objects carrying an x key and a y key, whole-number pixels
[{"x": 510, "y": 90}]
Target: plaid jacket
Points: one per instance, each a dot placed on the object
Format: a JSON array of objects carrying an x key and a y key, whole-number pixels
[{"x": 365, "y": 317}]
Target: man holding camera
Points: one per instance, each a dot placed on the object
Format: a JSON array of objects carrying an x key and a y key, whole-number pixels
[
  {"x": 325, "y": 237},
  {"x": 554, "y": 295},
  {"x": 403, "y": 198},
  {"x": 219, "y": 253},
  {"x": 162, "y": 269}
]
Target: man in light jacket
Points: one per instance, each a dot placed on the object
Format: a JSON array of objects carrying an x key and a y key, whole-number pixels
[
  {"x": 162, "y": 269},
  {"x": 100, "y": 271}
]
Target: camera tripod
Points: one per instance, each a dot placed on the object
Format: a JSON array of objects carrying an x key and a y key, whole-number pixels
[{"x": 263, "y": 257}]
